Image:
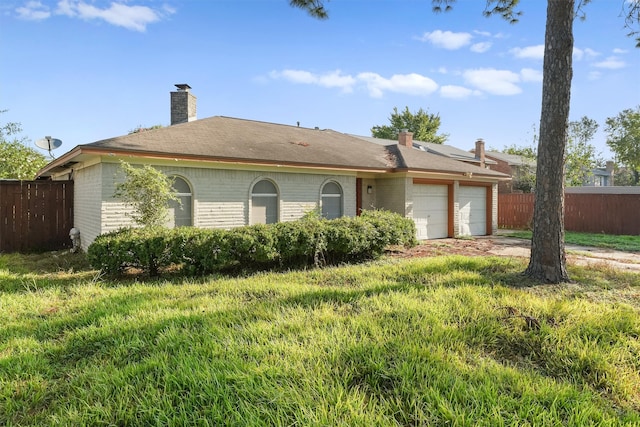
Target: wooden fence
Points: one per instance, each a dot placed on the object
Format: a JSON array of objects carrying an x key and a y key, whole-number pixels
[
  {"x": 35, "y": 215},
  {"x": 591, "y": 213}
]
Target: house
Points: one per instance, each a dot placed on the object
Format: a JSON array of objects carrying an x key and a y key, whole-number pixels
[
  {"x": 601, "y": 177},
  {"x": 521, "y": 168},
  {"x": 231, "y": 172}
]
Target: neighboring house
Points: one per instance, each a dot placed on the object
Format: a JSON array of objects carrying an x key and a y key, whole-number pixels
[
  {"x": 231, "y": 172},
  {"x": 516, "y": 166},
  {"x": 601, "y": 177}
]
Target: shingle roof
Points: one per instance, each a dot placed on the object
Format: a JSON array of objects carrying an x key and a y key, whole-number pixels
[
  {"x": 420, "y": 161},
  {"x": 512, "y": 159},
  {"x": 430, "y": 147},
  {"x": 246, "y": 141},
  {"x": 238, "y": 139}
]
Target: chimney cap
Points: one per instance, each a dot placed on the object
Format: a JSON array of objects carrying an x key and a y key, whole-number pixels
[{"x": 183, "y": 86}]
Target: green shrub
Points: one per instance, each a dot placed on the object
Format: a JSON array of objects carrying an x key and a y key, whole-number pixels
[
  {"x": 143, "y": 248},
  {"x": 301, "y": 243},
  {"x": 396, "y": 229},
  {"x": 199, "y": 251},
  {"x": 351, "y": 239},
  {"x": 252, "y": 246},
  {"x": 309, "y": 241}
]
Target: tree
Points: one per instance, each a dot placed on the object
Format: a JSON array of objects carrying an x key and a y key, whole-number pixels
[
  {"x": 423, "y": 125},
  {"x": 581, "y": 156},
  {"x": 148, "y": 191},
  {"x": 141, "y": 128},
  {"x": 623, "y": 137},
  {"x": 623, "y": 176},
  {"x": 525, "y": 179},
  {"x": 17, "y": 161},
  {"x": 548, "y": 258}
]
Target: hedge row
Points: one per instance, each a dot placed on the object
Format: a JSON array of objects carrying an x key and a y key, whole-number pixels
[{"x": 196, "y": 251}]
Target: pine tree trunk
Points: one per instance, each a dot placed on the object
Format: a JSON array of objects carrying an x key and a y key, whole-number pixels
[{"x": 548, "y": 259}]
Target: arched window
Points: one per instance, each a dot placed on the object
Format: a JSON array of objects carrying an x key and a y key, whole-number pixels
[
  {"x": 180, "y": 213},
  {"x": 331, "y": 200},
  {"x": 264, "y": 203}
]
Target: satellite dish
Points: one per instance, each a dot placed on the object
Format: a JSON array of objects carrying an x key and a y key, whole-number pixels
[{"x": 49, "y": 144}]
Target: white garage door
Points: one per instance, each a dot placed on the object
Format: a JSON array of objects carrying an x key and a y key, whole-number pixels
[
  {"x": 431, "y": 211},
  {"x": 473, "y": 211}
]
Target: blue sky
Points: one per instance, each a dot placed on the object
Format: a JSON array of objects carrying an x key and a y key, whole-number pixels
[{"x": 85, "y": 70}]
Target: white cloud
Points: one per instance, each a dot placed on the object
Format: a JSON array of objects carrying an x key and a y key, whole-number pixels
[
  {"x": 376, "y": 85},
  {"x": 482, "y": 33},
  {"x": 591, "y": 53},
  {"x": 531, "y": 75},
  {"x": 457, "y": 92},
  {"x": 410, "y": 84},
  {"x": 329, "y": 80},
  {"x": 594, "y": 75},
  {"x": 131, "y": 17},
  {"x": 337, "y": 79},
  {"x": 495, "y": 82},
  {"x": 619, "y": 51},
  {"x": 611, "y": 63},
  {"x": 529, "y": 52},
  {"x": 447, "y": 39},
  {"x": 480, "y": 47},
  {"x": 442, "y": 70},
  {"x": 66, "y": 7},
  {"x": 33, "y": 11},
  {"x": 578, "y": 53}
]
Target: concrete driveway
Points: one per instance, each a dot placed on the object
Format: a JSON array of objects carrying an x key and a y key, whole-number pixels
[{"x": 580, "y": 255}]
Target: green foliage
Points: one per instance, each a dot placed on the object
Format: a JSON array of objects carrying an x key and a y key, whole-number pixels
[
  {"x": 624, "y": 176},
  {"x": 423, "y": 125},
  {"x": 148, "y": 191},
  {"x": 314, "y": 8},
  {"x": 140, "y": 248},
  {"x": 506, "y": 9},
  {"x": 302, "y": 243},
  {"x": 309, "y": 241},
  {"x": 524, "y": 178},
  {"x": 623, "y": 137},
  {"x": 141, "y": 128},
  {"x": 527, "y": 151},
  {"x": 581, "y": 157},
  {"x": 17, "y": 161}
]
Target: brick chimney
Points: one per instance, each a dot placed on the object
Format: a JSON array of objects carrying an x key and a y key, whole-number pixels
[
  {"x": 405, "y": 138},
  {"x": 611, "y": 167},
  {"x": 183, "y": 105},
  {"x": 480, "y": 151}
]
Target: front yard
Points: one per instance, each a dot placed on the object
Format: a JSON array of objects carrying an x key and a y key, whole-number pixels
[{"x": 421, "y": 341}]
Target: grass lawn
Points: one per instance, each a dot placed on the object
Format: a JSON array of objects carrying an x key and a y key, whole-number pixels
[
  {"x": 440, "y": 341},
  {"x": 621, "y": 243}
]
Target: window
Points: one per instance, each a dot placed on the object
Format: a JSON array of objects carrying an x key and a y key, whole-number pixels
[
  {"x": 180, "y": 216},
  {"x": 331, "y": 201},
  {"x": 264, "y": 203}
]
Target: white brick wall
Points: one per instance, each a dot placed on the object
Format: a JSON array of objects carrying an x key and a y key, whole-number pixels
[
  {"x": 86, "y": 205},
  {"x": 220, "y": 197}
]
